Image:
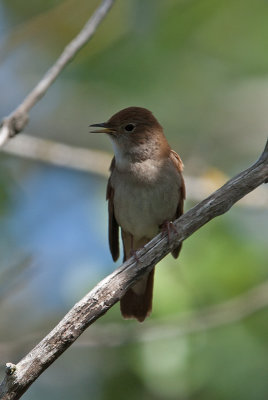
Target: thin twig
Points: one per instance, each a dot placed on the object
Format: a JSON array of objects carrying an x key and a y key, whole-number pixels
[
  {"x": 18, "y": 119},
  {"x": 113, "y": 287},
  {"x": 97, "y": 162}
]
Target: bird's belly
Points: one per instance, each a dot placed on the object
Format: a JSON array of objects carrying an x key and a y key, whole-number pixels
[{"x": 141, "y": 209}]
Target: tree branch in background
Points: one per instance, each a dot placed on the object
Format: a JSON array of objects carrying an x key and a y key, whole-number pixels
[
  {"x": 186, "y": 323},
  {"x": 18, "y": 119},
  {"x": 108, "y": 292},
  {"x": 112, "y": 334},
  {"x": 98, "y": 162}
]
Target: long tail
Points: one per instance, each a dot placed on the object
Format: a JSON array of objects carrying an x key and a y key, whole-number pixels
[{"x": 137, "y": 302}]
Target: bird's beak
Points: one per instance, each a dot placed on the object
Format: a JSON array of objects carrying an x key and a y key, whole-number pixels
[{"x": 104, "y": 128}]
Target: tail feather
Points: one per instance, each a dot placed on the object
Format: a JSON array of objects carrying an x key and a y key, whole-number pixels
[
  {"x": 175, "y": 252},
  {"x": 137, "y": 303}
]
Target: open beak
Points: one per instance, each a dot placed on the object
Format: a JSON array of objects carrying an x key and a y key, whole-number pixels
[{"x": 104, "y": 128}]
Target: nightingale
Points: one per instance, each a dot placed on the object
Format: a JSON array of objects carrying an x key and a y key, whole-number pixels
[{"x": 145, "y": 193}]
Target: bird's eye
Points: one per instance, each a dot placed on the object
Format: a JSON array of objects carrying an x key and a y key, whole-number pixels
[{"x": 129, "y": 127}]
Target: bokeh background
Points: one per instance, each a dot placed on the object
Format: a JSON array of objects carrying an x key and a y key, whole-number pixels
[{"x": 202, "y": 67}]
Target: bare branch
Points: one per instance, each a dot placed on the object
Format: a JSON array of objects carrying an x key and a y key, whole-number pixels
[
  {"x": 18, "y": 119},
  {"x": 112, "y": 288},
  {"x": 98, "y": 162},
  {"x": 59, "y": 154}
]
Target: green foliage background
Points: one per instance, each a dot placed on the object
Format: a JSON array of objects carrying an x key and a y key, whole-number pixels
[{"x": 201, "y": 67}]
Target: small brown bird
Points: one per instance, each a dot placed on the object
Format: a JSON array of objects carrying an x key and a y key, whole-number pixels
[{"x": 145, "y": 192}]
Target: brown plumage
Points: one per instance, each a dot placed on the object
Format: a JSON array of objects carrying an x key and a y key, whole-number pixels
[{"x": 145, "y": 190}]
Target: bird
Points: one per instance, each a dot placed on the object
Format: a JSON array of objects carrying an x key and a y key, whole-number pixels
[{"x": 145, "y": 193}]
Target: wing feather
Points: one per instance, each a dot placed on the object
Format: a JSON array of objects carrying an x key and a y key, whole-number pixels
[
  {"x": 113, "y": 225},
  {"x": 175, "y": 158}
]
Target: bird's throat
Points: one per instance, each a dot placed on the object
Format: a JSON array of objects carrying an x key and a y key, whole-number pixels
[{"x": 128, "y": 152}]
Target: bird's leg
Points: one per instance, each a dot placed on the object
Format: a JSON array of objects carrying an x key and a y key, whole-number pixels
[
  {"x": 133, "y": 253},
  {"x": 168, "y": 227}
]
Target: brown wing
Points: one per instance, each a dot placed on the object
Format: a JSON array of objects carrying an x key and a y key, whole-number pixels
[
  {"x": 113, "y": 225},
  {"x": 175, "y": 158}
]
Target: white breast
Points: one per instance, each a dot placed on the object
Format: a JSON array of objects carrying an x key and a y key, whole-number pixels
[{"x": 146, "y": 195}]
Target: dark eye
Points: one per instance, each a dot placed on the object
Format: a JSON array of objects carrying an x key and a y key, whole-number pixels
[{"x": 129, "y": 127}]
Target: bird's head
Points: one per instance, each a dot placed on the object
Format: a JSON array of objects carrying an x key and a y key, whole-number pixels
[
  {"x": 134, "y": 130},
  {"x": 129, "y": 121}
]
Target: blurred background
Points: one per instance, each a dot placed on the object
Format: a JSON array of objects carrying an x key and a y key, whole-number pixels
[{"x": 201, "y": 66}]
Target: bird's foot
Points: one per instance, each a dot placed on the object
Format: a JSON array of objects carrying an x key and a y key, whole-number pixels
[
  {"x": 168, "y": 227},
  {"x": 133, "y": 253}
]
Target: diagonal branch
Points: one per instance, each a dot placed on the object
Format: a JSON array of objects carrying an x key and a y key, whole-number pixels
[
  {"x": 18, "y": 119},
  {"x": 97, "y": 302}
]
